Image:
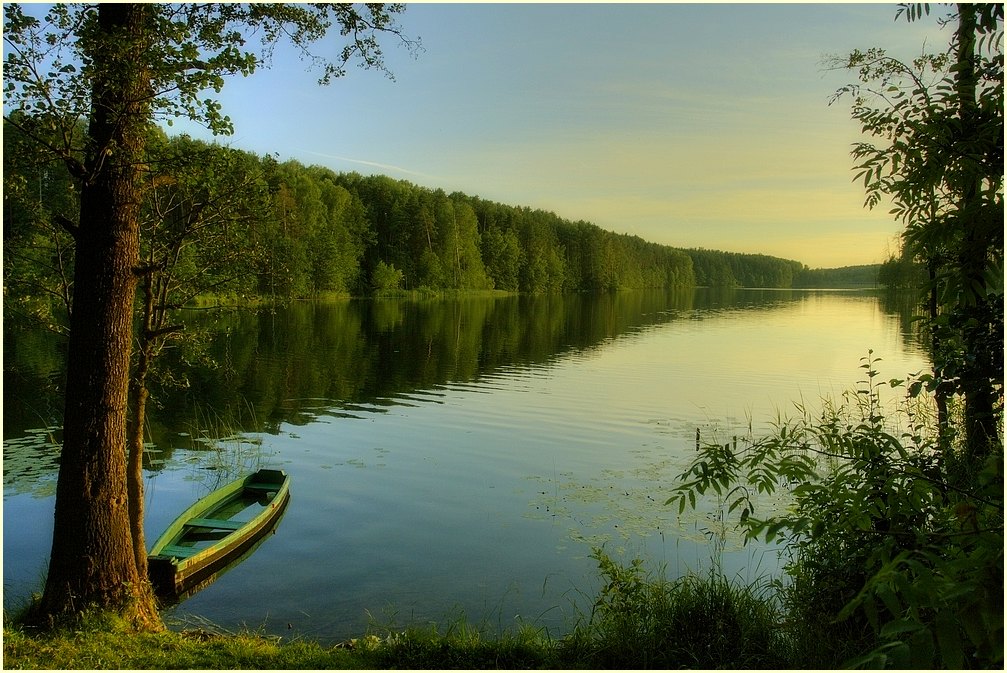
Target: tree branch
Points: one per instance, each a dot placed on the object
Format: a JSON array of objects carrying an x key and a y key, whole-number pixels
[{"x": 66, "y": 224}]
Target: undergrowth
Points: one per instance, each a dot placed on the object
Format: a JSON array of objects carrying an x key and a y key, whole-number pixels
[
  {"x": 649, "y": 621},
  {"x": 638, "y": 621}
]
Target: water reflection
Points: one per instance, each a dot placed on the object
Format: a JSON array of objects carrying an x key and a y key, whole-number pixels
[
  {"x": 459, "y": 453},
  {"x": 256, "y": 370}
]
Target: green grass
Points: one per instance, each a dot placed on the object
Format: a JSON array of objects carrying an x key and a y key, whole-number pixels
[
  {"x": 647, "y": 621},
  {"x": 103, "y": 649},
  {"x": 105, "y": 644},
  {"x": 638, "y": 621}
]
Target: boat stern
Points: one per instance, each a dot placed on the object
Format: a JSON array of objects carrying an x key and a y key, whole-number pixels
[{"x": 162, "y": 572}]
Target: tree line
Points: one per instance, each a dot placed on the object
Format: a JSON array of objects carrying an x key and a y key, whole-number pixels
[{"x": 249, "y": 225}]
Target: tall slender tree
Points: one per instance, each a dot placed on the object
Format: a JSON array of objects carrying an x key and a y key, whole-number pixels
[
  {"x": 936, "y": 151},
  {"x": 121, "y": 67}
]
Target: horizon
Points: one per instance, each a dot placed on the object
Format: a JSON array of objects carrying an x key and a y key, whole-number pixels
[
  {"x": 693, "y": 126},
  {"x": 519, "y": 205}
]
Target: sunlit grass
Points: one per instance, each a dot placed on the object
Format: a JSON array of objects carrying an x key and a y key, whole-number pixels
[
  {"x": 638, "y": 621},
  {"x": 102, "y": 648}
]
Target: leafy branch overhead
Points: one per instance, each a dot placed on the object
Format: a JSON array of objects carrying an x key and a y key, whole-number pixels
[
  {"x": 936, "y": 125},
  {"x": 189, "y": 51}
]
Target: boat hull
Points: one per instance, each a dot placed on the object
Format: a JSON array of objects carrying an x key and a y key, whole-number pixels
[{"x": 212, "y": 534}]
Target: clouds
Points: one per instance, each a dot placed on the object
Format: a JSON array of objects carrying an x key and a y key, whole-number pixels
[{"x": 372, "y": 164}]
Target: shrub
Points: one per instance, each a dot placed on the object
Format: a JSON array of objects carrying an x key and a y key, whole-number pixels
[
  {"x": 386, "y": 278},
  {"x": 893, "y": 561},
  {"x": 692, "y": 622}
]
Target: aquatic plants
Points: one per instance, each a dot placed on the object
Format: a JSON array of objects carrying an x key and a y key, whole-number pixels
[
  {"x": 645, "y": 620},
  {"x": 893, "y": 552}
]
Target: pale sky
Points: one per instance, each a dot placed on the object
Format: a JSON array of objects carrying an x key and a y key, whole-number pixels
[{"x": 690, "y": 125}]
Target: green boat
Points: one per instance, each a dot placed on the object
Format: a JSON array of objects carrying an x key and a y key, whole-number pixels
[{"x": 215, "y": 531}]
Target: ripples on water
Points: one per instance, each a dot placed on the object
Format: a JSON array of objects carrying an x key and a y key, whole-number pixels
[{"x": 483, "y": 492}]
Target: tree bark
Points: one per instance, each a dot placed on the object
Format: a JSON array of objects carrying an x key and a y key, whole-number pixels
[
  {"x": 980, "y": 399},
  {"x": 134, "y": 467},
  {"x": 92, "y": 562}
]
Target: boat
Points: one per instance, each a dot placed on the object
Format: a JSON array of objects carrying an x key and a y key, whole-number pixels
[
  {"x": 197, "y": 585},
  {"x": 216, "y": 531}
]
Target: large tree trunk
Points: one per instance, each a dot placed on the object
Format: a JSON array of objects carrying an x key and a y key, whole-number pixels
[
  {"x": 92, "y": 562},
  {"x": 980, "y": 398}
]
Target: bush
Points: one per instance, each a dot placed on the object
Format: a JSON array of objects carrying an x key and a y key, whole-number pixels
[
  {"x": 894, "y": 560},
  {"x": 386, "y": 279},
  {"x": 692, "y": 622}
]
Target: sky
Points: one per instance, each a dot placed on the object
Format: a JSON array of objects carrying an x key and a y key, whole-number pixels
[{"x": 700, "y": 125}]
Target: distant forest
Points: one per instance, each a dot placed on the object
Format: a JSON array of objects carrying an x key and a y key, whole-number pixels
[{"x": 249, "y": 225}]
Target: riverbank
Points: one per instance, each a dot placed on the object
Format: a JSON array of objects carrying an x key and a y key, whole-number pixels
[
  {"x": 231, "y": 300},
  {"x": 636, "y": 621},
  {"x": 100, "y": 648}
]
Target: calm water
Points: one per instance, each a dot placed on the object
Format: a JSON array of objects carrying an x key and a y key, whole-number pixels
[{"x": 453, "y": 457}]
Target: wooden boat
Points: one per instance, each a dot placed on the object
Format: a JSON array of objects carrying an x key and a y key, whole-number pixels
[
  {"x": 204, "y": 581},
  {"x": 215, "y": 531}
]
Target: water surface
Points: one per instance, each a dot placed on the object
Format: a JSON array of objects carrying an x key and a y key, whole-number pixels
[{"x": 454, "y": 457}]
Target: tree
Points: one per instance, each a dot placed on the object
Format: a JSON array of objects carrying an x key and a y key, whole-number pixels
[
  {"x": 472, "y": 271},
  {"x": 37, "y": 251},
  {"x": 199, "y": 202},
  {"x": 937, "y": 154},
  {"x": 386, "y": 278},
  {"x": 343, "y": 243},
  {"x": 894, "y": 532},
  {"x": 121, "y": 67}
]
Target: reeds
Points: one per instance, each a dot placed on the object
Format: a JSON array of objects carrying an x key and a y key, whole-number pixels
[{"x": 642, "y": 620}]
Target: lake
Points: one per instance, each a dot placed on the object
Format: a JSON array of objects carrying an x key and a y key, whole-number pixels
[{"x": 454, "y": 457}]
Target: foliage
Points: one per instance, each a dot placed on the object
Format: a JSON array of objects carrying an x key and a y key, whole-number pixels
[
  {"x": 202, "y": 206},
  {"x": 38, "y": 251},
  {"x": 289, "y": 230},
  {"x": 902, "y": 272},
  {"x": 120, "y": 66},
  {"x": 936, "y": 151},
  {"x": 880, "y": 537},
  {"x": 192, "y": 48},
  {"x": 692, "y": 622},
  {"x": 940, "y": 136},
  {"x": 864, "y": 275},
  {"x": 714, "y": 268},
  {"x": 386, "y": 278}
]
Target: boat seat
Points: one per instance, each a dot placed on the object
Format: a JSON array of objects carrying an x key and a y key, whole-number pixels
[
  {"x": 224, "y": 524},
  {"x": 177, "y": 552},
  {"x": 263, "y": 487}
]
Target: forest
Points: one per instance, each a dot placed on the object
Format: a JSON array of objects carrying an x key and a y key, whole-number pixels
[
  {"x": 227, "y": 222},
  {"x": 894, "y": 529}
]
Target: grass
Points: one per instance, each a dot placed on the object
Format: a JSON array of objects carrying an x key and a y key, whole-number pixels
[
  {"x": 643, "y": 621},
  {"x": 638, "y": 621},
  {"x": 120, "y": 649},
  {"x": 105, "y": 643}
]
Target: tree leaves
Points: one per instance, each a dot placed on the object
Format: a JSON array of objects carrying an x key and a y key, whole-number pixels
[
  {"x": 866, "y": 506},
  {"x": 192, "y": 48}
]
